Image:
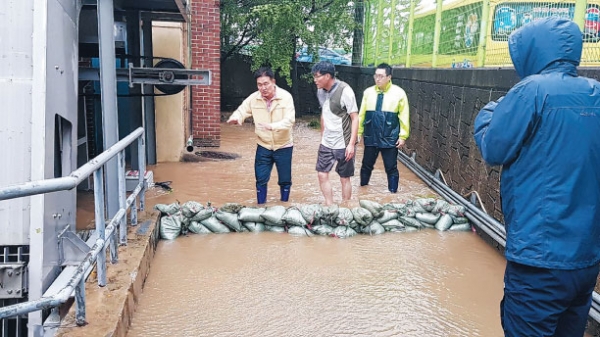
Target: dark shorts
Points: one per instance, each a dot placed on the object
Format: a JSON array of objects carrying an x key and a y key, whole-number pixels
[{"x": 327, "y": 157}]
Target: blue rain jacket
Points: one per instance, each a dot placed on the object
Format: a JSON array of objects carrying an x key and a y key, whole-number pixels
[{"x": 546, "y": 135}]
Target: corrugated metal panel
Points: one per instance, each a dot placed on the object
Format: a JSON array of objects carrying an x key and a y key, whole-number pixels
[{"x": 16, "y": 48}]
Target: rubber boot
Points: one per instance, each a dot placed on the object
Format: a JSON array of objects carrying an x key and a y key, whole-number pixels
[
  {"x": 285, "y": 192},
  {"x": 364, "y": 178},
  {"x": 261, "y": 194},
  {"x": 393, "y": 183}
]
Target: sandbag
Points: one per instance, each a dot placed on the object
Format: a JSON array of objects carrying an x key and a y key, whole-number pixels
[
  {"x": 428, "y": 218},
  {"x": 329, "y": 215},
  {"x": 374, "y": 228},
  {"x": 410, "y": 211},
  {"x": 343, "y": 232},
  {"x": 459, "y": 219},
  {"x": 198, "y": 228},
  {"x": 440, "y": 205},
  {"x": 399, "y": 208},
  {"x": 214, "y": 225},
  {"x": 229, "y": 219},
  {"x": 203, "y": 214},
  {"x": 254, "y": 226},
  {"x": 293, "y": 217},
  {"x": 393, "y": 225},
  {"x": 455, "y": 210},
  {"x": 426, "y": 203},
  {"x": 251, "y": 214},
  {"x": 362, "y": 216},
  {"x": 185, "y": 223},
  {"x": 344, "y": 217},
  {"x": 190, "y": 208},
  {"x": 231, "y": 207},
  {"x": 322, "y": 229},
  {"x": 460, "y": 227},
  {"x": 387, "y": 215},
  {"x": 273, "y": 215},
  {"x": 311, "y": 213},
  {"x": 444, "y": 222},
  {"x": 412, "y": 222},
  {"x": 276, "y": 229},
  {"x": 374, "y": 207},
  {"x": 415, "y": 207},
  {"x": 299, "y": 231},
  {"x": 353, "y": 223},
  {"x": 170, "y": 226},
  {"x": 168, "y": 209}
]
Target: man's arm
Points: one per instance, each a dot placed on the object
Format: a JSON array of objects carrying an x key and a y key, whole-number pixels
[
  {"x": 242, "y": 112},
  {"x": 404, "y": 117},
  {"x": 289, "y": 116},
  {"x": 502, "y": 127},
  {"x": 350, "y": 149},
  {"x": 361, "y": 116}
]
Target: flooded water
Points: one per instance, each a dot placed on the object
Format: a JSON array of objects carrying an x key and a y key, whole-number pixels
[{"x": 424, "y": 283}]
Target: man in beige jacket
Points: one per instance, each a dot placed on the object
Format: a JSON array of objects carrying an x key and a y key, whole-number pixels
[{"x": 272, "y": 109}]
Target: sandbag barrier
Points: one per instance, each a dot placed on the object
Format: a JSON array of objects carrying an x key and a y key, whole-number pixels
[{"x": 370, "y": 218}]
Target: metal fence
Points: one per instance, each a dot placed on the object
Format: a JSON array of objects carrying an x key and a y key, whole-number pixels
[
  {"x": 80, "y": 257},
  {"x": 464, "y": 33}
]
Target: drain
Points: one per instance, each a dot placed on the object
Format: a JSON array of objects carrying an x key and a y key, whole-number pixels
[
  {"x": 209, "y": 156},
  {"x": 217, "y": 155}
]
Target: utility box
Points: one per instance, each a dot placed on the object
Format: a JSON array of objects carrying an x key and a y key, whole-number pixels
[{"x": 132, "y": 179}]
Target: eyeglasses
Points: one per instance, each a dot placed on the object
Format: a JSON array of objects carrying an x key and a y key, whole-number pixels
[
  {"x": 379, "y": 76},
  {"x": 316, "y": 77}
]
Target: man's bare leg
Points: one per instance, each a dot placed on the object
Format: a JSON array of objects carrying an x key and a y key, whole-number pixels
[
  {"x": 325, "y": 185},
  {"x": 346, "y": 189}
]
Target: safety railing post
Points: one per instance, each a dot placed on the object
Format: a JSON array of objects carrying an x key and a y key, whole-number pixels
[
  {"x": 80, "y": 303},
  {"x": 100, "y": 224},
  {"x": 122, "y": 198},
  {"x": 142, "y": 167}
]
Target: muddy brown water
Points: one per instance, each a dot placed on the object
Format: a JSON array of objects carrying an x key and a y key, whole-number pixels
[{"x": 425, "y": 283}]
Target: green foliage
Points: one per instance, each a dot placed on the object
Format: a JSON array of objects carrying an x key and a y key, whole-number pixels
[
  {"x": 314, "y": 124},
  {"x": 277, "y": 28}
]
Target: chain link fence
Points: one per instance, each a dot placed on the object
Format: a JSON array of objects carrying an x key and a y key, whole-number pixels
[{"x": 468, "y": 33}]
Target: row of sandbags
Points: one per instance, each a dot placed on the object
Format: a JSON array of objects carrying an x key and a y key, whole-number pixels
[{"x": 312, "y": 219}]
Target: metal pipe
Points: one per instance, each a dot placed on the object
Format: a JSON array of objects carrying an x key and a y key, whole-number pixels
[
  {"x": 122, "y": 198},
  {"x": 100, "y": 225},
  {"x": 71, "y": 181},
  {"x": 142, "y": 170},
  {"x": 63, "y": 295}
]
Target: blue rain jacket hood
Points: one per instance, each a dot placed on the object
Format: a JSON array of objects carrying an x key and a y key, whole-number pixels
[
  {"x": 546, "y": 135},
  {"x": 531, "y": 52}
]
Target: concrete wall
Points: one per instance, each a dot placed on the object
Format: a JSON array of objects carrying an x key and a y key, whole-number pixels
[
  {"x": 167, "y": 39},
  {"x": 443, "y": 103}
]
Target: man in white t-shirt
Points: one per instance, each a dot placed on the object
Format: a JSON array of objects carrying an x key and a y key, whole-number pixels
[{"x": 339, "y": 128}]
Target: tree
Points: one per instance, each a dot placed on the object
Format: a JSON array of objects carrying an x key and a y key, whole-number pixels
[{"x": 275, "y": 29}]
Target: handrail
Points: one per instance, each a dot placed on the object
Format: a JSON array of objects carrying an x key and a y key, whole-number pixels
[
  {"x": 72, "y": 279},
  {"x": 67, "y": 183},
  {"x": 483, "y": 221}
]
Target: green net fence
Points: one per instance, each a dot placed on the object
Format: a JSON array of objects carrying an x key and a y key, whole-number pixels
[{"x": 470, "y": 33}]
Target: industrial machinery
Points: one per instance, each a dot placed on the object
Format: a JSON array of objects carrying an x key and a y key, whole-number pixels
[{"x": 59, "y": 63}]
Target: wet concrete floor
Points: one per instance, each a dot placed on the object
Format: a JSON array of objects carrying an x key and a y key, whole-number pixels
[{"x": 424, "y": 283}]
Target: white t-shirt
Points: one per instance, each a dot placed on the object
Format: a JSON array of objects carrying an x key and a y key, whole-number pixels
[{"x": 333, "y": 132}]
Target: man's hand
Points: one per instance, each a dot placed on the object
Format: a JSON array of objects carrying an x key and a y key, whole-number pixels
[
  {"x": 233, "y": 121},
  {"x": 400, "y": 143},
  {"x": 349, "y": 152},
  {"x": 264, "y": 126}
]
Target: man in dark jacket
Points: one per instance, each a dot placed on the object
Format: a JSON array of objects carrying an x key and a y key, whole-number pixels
[
  {"x": 545, "y": 134},
  {"x": 384, "y": 123}
]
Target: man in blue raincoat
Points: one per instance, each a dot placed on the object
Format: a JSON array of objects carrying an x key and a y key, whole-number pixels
[{"x": 546, "y": 135}]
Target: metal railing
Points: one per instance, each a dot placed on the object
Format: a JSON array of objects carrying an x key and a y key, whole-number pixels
[
  {"x": 72, "y": 278},
  {"x": 492, "y": 227}
]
